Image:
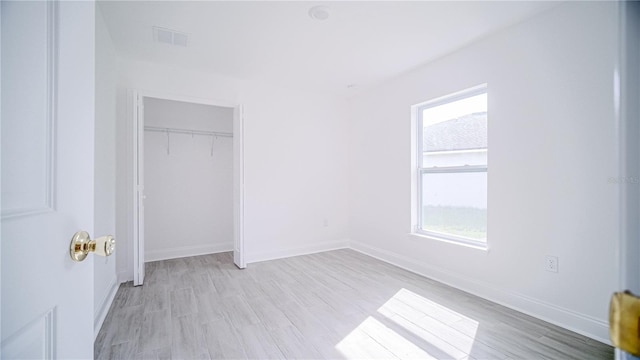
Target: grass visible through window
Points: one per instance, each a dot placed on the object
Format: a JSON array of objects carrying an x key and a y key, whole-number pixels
[{"x": 461, "y": 221}]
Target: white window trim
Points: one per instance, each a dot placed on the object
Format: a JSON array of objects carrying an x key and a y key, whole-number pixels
[{"x": 417, "y": 150}]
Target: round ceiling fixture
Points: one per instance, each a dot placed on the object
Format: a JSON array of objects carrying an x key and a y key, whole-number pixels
[{"x": 319, "y": 13}]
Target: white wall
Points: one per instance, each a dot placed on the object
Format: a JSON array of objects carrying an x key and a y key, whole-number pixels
[
  {"x": 295, "y": 172},
  {"x": 105, "y": 281},
  {"x": 553, "y": 145},
  {"x": 188, "y": 181},
  {"x": 295, "y": 147},
  {"x": 185, "y": 115}
]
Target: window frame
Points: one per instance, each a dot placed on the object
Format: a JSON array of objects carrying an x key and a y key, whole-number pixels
[{"x": 420, "y": 169}]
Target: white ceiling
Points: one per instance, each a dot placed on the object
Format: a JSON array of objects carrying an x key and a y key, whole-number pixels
[{"x": 362, "y": 42}]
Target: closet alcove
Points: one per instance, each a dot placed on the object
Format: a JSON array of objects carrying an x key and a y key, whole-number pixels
[{"x": 188, "y": 167}]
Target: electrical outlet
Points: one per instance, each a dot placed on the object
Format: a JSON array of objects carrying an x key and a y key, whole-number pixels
[{"x": 551, "y": 263}]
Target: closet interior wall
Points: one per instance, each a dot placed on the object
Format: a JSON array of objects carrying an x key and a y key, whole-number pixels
[{"x": 188, "y": 179}]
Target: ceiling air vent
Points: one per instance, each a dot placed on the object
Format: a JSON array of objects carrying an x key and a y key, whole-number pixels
[{"x": 168, "y": 36}]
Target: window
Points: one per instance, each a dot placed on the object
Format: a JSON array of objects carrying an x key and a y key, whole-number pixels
[{"x": 452, "y": 167}]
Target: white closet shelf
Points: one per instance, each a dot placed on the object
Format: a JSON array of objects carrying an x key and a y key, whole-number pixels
[{"x": 187, "y": 131}]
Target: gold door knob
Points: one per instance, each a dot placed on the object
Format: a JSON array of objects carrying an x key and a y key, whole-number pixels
[{"x": 81, "y": 245}]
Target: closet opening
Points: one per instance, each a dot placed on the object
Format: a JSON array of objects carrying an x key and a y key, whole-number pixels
[{"x": 188, "y": 171}]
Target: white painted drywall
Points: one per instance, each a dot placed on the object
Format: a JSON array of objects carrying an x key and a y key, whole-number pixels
[
  {"x": 188, "y": 180},
  {"x": 295, "y": 172},
  {"x": 553, "y": 146},
  {"x": 104, "y": 273},
  {"x": 295, "y": 160}
]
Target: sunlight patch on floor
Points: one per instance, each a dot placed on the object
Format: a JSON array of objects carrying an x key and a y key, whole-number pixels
[
  {"x": 409, "y": 325},
  {"x": 372, "y": 339}
]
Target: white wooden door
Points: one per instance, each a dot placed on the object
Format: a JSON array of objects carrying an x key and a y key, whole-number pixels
[{"x": 47, "y": 164}]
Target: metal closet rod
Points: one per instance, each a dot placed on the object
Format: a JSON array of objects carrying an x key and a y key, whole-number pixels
[{"x": 185, "y": 131}]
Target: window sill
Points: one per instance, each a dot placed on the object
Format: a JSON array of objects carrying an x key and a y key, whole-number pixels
[{"x": 422, "y": 237}]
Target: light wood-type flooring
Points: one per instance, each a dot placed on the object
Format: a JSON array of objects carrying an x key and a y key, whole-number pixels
[{"x": 333, "y": 305}]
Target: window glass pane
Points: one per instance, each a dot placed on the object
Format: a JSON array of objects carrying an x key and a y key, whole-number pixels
[
  {"x": 455, "y": 204},
  {"x": 455, "y": 133},
  {"x": 454, "y": 158}
]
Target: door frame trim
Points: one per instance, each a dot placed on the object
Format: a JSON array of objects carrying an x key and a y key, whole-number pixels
[{"x": 135, "y": 99}]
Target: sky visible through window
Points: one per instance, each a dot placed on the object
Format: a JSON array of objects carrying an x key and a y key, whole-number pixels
[{"x": 455, "y": 109}]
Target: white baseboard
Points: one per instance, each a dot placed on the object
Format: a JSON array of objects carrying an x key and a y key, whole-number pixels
[
  {"x": 184, "y": 251},
  {"x": 101, "y": 311},
  {"x": 296, "y": 251},
  {"x": 597, "y": 329}
]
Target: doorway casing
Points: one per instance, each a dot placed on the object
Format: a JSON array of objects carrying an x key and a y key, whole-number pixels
[{"x": 136, "y": 98}]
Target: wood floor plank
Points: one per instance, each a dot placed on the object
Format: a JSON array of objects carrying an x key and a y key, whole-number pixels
[
  {"x": 325, "y": 345},
  {"x": 188, "y": 338},
  {"x": 238, "y": 312},
  {"x": 582, "y": 345},
  {"x": 293, "y": 344},
  {"x": 149, "y": 355},
  {"x": 223, "y": 284},
  {"x": 578, "y": 350},
  {"x": 221, "y": 340},
  {"x": 128, "y": 323},
  {"x": 183, "y": 302},
  {"x": 164, "y": 353},
  {"x": 359, "y": 345},
  {"x": 124, "y": 350},
  {"x": 156, "y": 272},
  {"x": 156, "y": 331},
  {"x": 395, "y": 340},
  {"x": 334, "y": 305},
  {"x": 306, "y": 320},
  {"x": 251, "y": 288},
  {"x": 155, "y": 297},
  {"x": 270, "y": 316},
  {"x": 280, "y": 293},
  {"x": 429, "y": 342},
  {"x": 128, "y": 295},
  {"x": 209, "y": 308},
  {"x": 258, "y": 343}
]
